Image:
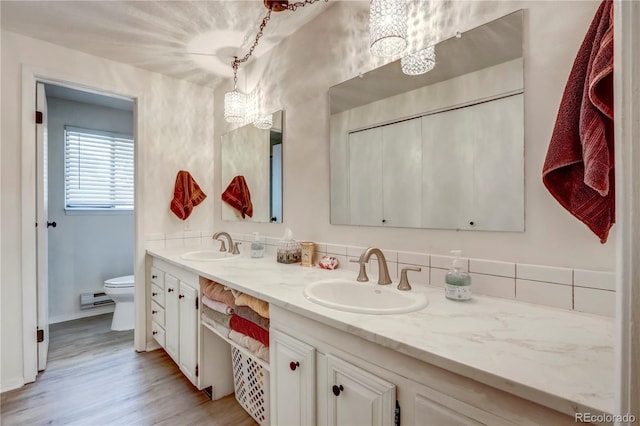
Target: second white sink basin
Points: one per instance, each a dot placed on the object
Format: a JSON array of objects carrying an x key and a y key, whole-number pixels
[
  {"x": 207, "y": 255},
  {"x": 366, "y": 298}
]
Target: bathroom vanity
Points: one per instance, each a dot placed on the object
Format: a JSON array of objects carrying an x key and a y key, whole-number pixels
[{"x": 487, "y": 361}]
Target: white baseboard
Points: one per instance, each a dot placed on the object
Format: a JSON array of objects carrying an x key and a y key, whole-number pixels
[
  {"x": 11, "y": 384},
  {"x": 82, "y": 314}
]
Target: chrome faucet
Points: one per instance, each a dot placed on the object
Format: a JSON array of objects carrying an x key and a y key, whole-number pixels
[
  {"x": 383, "y": 271},
  {"x": 233, "y": 247}
]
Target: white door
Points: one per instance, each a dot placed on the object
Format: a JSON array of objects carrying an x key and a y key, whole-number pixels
[
  {"x": 188, "y": 331},
  {"x": 293, "y": 381},
  {"x": 171, "y": 318},
  {"x": 357, "y": 397},
  {"x": 42, "y": 240}
]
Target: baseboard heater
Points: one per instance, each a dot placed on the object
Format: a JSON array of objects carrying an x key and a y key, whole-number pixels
[{"x": 93, "y": 300}]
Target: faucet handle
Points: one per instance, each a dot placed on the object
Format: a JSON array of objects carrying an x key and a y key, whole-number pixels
[
  {"x": 404, "y": 281},
  {"x": 362, "y": 273},
  {"x": 235, "y": 248},
  {"x": 223, "y": 246}
]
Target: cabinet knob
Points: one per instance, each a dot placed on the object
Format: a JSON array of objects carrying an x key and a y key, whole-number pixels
[
  {"x": 294, "y": 365},
  {"x": 170, "y": 290},
  {"x": 384, "y": 220},
  {"x": 180, "y": 296},
  {"x": 154, "y": 312},
  {"x": 472, "y": 223},
  {"x": 337, "y": 389},
  {"x": 153, "y": 277},
  {"x": 154, "y": 294},
  {"x": 155, "y": 332}
]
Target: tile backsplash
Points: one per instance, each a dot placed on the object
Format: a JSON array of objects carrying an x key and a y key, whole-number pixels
[{"x": 566, "y": 288}]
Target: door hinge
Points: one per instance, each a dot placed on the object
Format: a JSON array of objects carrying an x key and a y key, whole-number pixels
[
  {"x": 197, "y": 370},
  {"x": 40, "y": 336},
  {"x": 196, "y": 302},
  {"x": 39, "y": 117}
]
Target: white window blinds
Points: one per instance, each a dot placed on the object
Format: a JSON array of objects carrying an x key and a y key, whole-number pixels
[{"x": 98, "y": 170}]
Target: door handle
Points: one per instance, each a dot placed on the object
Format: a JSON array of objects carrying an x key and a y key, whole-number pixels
[{"x": 51, "y": 224}]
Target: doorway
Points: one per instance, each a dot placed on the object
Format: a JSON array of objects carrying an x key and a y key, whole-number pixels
[{"x": 85, "y": 196}]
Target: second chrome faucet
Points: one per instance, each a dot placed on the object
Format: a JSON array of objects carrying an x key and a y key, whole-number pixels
[{"x": 383, "y": 270}]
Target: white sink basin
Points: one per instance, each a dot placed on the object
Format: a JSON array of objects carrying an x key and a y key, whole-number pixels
[
  {"x": 366, "y": 298},
  {"x": 207, "y": 255}
]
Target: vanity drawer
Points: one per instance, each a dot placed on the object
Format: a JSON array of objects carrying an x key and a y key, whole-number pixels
[
  {"x": 158, "y": 333},
  {"x": 157, "y": 277},
  {"x": 157, "y": 313},
  {"x": 157, "y": 294}
]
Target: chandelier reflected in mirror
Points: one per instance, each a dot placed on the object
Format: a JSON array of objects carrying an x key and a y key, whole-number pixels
[{"x": 420, "y": 62}]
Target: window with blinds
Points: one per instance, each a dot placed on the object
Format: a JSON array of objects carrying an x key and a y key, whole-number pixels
[{"x": 98, "y": 170}]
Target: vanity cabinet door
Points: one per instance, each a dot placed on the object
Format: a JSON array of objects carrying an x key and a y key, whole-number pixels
[
  {"x": 293, "y": 381},
  {"x": 188, "y": 331},
  {"x": 357, "y": 397},
  {"x": 171, "y": 316}
]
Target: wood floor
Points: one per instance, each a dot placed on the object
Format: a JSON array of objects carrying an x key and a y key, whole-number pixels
[{"x": 94, "y": 378}]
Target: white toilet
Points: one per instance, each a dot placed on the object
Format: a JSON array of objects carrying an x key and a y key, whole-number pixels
[{"x": 120, "y": 290}]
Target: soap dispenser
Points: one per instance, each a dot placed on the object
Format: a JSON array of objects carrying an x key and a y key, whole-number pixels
[
  {"x": 457, "y": 281},
  {"x": 257, "y": 247}
]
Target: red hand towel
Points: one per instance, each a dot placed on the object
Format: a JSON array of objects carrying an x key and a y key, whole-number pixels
[
  {"x": 579, "y": 168},
  {"x": 250, "y": 329},
  {"x": 186, "y": 195},
  {"x": 237, "y": 195}
]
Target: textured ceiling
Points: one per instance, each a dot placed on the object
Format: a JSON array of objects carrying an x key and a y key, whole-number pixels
[{"x": 190, "y": 40}]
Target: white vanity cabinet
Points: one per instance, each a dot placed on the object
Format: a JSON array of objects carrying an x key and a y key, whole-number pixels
[
  {"x": 293, "y": 385},
  {"x": 174, "y": 315}
]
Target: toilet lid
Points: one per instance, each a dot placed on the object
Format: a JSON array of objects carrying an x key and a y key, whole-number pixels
[{"x": 126, "y": 281}]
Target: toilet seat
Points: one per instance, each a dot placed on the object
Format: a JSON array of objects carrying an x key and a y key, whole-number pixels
[{"x": 120, "y": 282}]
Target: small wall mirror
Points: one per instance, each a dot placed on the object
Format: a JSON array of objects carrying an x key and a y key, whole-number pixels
[
  {"x": 256, "y": 155},
  {"x": 441, "y": 150}
]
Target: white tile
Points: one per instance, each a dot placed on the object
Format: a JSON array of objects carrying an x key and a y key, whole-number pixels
[
  {"x": 192, "y": 242},
  {"x": 209, "y": 242},
  {"x": 355, "y": 251},
  {"x": 174, "y": 235},
  {"x": 436, "y": 277},
  {"x": 550, "y": 274},
  {"x": 547, "y": 294},
  {"x": 491, "y": 267},
  {"x": 594, "y": 279},
  {"x": 191, "y": 234},
  {"x": 272, "y": 241},
  {"x": 594, "y": 301},
  {"x": 343, "y": 263},
  {"x": 390, "y": 255},
  {"x": 350, "y": 263},
  {"x": 493, "y": 286},
  {"x": 415, "y": 278},
  {"x": 337, "y": 249},
  {"x": 270, "y": 250},
  {"x": 445, "y": 262},
  {"x": 154, "y": 244},
  {"x": 154, "y": 237},
  {"x": 321, "y": 250},
  {"x": 174, "y": 243},
  {"x": 412, "y": 258}
]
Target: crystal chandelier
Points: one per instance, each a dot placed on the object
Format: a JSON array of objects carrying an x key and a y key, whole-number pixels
[
  {"x": 388, "y": 27},
  {"x": 264, "y": 122},
  {"x": 419, "y": 62},
  {"x": 235, "y": 102}
]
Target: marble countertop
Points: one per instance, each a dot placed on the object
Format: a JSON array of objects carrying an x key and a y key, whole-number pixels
[{"x": 560, "y": 359}]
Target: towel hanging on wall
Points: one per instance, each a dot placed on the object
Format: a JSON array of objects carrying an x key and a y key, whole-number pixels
[
  {"x": 186, "y": 195},
  {"x": 579, "y": 167},
  {"x": 238, "y": 196}
]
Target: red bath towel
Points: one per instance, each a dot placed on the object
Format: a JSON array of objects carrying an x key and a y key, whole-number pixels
[
  {"x": 250, "y": 329},
  {"x": 186, "y": 195},
  {"x": 237, "y": 195},
  {"x": 579, "y": 168}
]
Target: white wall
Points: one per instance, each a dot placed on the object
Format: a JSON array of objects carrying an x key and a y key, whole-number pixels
[
  {"x": 298, "y": 73},
  {"x": 174, "y": 132},
  {"x": 84, "y": 248}
]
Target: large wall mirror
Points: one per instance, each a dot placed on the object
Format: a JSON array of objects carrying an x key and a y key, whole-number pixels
[
  {"x": 255, "y": 155},
  {"x": 440, "y": 150}
]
